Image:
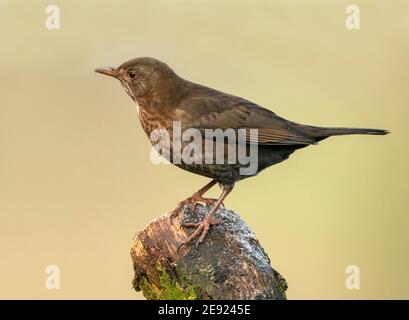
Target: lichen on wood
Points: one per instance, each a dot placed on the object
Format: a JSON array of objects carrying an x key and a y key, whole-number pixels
[{"x": 229, "y": 264}]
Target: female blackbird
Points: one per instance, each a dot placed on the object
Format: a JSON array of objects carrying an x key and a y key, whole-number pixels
[{"x": 163, "y": 99}]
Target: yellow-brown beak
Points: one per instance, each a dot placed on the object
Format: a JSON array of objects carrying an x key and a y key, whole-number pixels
[{"x": 109, "y": 71}]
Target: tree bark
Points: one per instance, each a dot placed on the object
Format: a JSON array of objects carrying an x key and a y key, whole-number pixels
[{"x": 229, "y": 264}]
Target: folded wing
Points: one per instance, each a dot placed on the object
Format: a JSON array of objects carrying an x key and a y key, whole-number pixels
[{"x": 222, "y": 111}]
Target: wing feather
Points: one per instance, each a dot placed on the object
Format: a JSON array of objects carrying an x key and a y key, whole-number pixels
[{"x": 223, "y": 111}]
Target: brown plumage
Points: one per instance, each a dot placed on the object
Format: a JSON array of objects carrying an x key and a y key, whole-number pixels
[{"x": 163, "y": 97}]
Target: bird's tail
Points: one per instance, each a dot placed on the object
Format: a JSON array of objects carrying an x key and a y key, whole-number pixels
[{"x": 321, "y": 133}]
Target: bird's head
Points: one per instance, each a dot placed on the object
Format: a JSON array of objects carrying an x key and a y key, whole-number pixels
[{"x": 141, "y": 76}]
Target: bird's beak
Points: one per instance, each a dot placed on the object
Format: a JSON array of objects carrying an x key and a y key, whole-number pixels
[{"x": 108, "y": 71}]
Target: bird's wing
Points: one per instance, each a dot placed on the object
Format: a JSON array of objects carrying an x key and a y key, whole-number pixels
[{"x": 222, "y": 111}]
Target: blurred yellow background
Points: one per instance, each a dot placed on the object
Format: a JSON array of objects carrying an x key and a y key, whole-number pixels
[{"x": 76, "y": 182}]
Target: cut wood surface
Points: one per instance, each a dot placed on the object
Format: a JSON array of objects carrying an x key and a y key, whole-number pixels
[{"x": 229, "y": 264}]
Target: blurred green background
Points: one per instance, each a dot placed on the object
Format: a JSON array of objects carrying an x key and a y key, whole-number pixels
[{"x": 76, "y": 182}]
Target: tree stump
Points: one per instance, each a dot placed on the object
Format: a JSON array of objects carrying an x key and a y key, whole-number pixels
[{"x": 229, "y": 264}]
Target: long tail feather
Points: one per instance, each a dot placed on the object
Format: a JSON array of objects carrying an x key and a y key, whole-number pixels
[
  {"x": 320, "y": 133},
  {"x": 326, "y": 132}
]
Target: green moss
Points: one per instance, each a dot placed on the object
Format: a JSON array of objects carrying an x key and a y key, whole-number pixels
[
  {"x": 173, "y": 290},
  {"x": 149, "y": 290},
  {"x": 169, "y": 288},
  {"x": 282, "y": 286}
]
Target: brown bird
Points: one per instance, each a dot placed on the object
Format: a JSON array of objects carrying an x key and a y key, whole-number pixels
[{"x": 163, "y": 98}]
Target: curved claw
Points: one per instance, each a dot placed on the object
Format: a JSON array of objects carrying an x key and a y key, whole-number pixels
[
  {"x": 201, "y": 231},
  {"x": 180, "y": 246}
]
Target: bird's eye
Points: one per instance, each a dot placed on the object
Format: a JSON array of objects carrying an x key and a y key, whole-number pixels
[{"x": 131, "y": 74}]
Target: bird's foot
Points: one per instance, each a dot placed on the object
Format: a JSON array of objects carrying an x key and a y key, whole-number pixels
[
  {"x": 202, "y": 228},
  {"x": 191, "y": 203}
]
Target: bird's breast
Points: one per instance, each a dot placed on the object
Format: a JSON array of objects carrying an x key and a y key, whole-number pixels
[{"x": 151, "y": 121}]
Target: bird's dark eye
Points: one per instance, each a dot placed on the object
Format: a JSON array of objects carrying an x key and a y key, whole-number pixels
[{"x": 131, "y": 74}]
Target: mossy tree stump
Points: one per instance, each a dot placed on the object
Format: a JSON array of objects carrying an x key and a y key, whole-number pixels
[{"x": 229, "y": 264}]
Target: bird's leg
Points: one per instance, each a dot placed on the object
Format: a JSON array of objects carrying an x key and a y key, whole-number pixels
[
  {"x": 203, "y": 227},
  {"x": 195, "y": 198}
]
